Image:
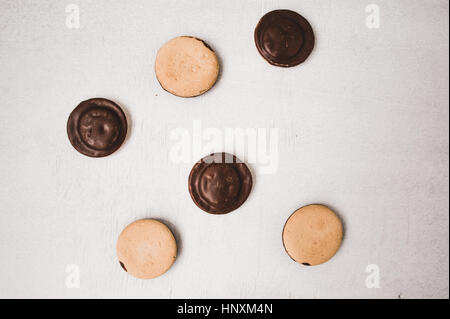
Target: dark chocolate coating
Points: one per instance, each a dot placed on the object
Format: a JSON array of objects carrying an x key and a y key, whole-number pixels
[
  {"x": 284, "y": 38},
  {"x": 220, "y": 183},
  {"x": 97, "y": 127}
]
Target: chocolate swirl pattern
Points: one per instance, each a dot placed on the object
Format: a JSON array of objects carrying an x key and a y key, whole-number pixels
[
  {"x": 284, "y": 38},
  {"x": 220, "y": 183},
  {"x": 97, "y": 127}
]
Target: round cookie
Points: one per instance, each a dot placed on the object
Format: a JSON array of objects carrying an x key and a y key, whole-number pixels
[
  {"x": 312, "y": 235},
  {"x": 186, "y": 66},
  {"x": 97, "y": 127},
  {"x": 284, "y": 38},
  {"x": 220, "y": 183},
  {"x": 146, "y": 249}
]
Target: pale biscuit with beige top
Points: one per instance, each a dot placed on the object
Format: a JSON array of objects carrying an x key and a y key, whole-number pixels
[
  {"x": 312, "y": 235},
  {"x": 186, "y": 67},
  {"x": 146, "y": 249}
]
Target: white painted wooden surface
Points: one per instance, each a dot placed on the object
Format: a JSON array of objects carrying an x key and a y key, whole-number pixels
[{"x": 363, "y": 128}]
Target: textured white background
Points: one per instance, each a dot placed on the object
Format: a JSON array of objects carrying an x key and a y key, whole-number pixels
[{"x": 363, "y": 128}]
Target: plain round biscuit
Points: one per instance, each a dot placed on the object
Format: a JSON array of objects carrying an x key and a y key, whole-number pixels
[
  {"x": 146, "y": 249},
  {"x": 312, "y": 235},
  {"x": 186, "y": 67}
]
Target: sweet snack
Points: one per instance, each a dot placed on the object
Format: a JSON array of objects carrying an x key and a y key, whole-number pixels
[
  {"x": 186, "y": 66},
  {"x": 284, "y": 38},
  {"x": 97, "y": 127},
  {"x": 312, "y": 235},
  {"x": 146, "y": 249},
  {"x": 219, "y": 183}
]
